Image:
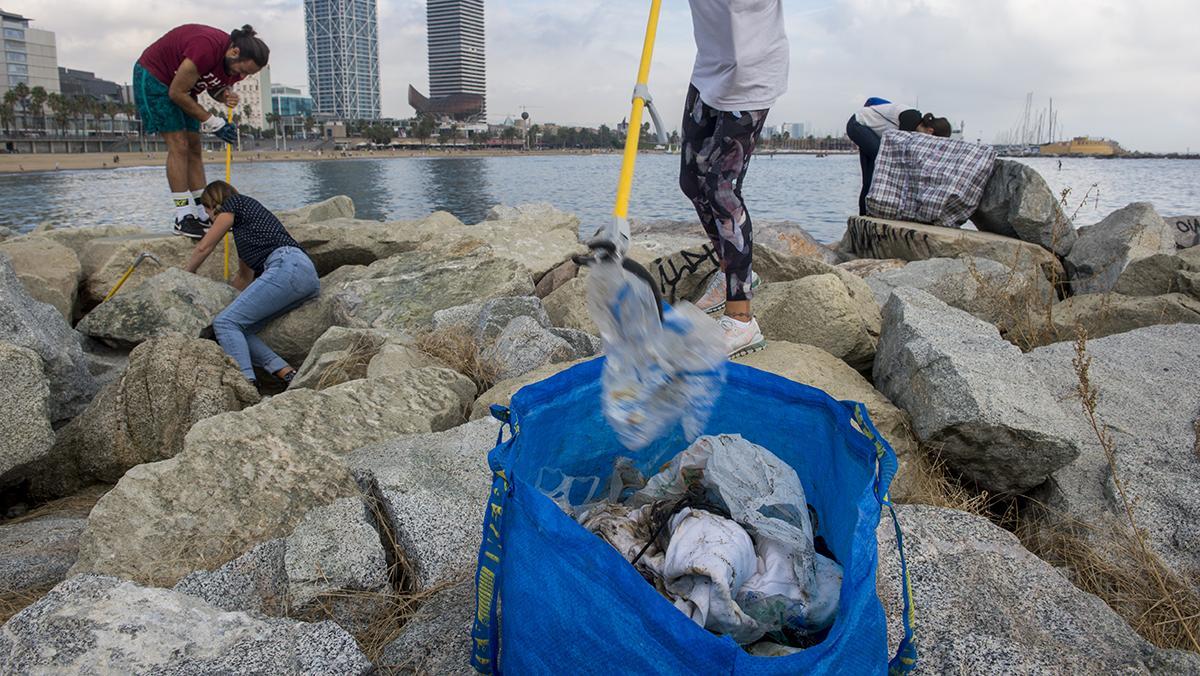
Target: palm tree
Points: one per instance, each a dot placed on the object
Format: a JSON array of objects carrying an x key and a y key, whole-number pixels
[
  {"x": 8, "y": 110},
  {"x": 309, "y": 123},
  {"x": 37, "y": 97},
  {"x": 59, "y": 110},
  {"x": 22, "y": 91}
]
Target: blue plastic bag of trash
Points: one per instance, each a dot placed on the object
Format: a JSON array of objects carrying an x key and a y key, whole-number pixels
[{"x": 554, "y": 598}]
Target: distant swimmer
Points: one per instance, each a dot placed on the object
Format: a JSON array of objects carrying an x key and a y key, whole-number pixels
[{"x": 866, "y": 128}]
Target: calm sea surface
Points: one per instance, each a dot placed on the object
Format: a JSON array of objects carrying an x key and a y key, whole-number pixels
[{"x": 818, "y": 193}]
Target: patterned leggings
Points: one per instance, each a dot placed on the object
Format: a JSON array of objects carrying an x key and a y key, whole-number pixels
[{"x": 713, "y": 160}]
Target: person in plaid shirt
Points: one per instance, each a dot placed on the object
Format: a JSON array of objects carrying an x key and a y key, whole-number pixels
[{"x": 867, "y": 126}]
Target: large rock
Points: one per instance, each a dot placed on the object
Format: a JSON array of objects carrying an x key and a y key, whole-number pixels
[
  {"x": 98, "y": 624},
  {"x": 25, "y": 432},
  {"x": 525, "y": 345},
  {"x": 338, "y": 206},
  {"x": 396, "y": 358},
  {"x": 248, "y": 476},
  {"x": 995, "y": 293},
  {"x": 403, "y": 292},
  {"x": 255, "y": 582},
  {"x": 868, "y": 237},
  {"x": 568, "y": 308},
  {"x": 1148, "y": 403},
  {"x": 1018, "y": 203},
  {"x": 170, "y": 385},
  {"x": 35, "y": 554},
  {"x": 1105, "y": 314},
  {"x": 986, "y": 605},
  {"x": 1105, "y": 249},
  {"x": 437, "y": 639},
  {"x": 820, "y": 369},
  {"x": 27, "y": 323},
  {"x": 1186, "y": 229},
  {"x": 1162, "y": 273},
  {"x": 823, "y": 311},
  {"x": 868, "y": 267},
  {"x": 347, "y": 241},
  {"x": 432, "y": 488},
  {"x": 341, "y": 355},
  {"x": 105, "y": 260},
  {"x": 171, "y": 302},
  {"x": 336, "y": 565},
  {"x": 485, "y": 321},
  {"x": 971, "y": 394},
  {"x": 77, "y": 238},
  {"x": 49, "y": 271},
  {"x": 501, "y": 393}
]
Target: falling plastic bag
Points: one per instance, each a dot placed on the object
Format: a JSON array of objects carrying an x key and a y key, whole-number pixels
[{"x": 657, "y": 373}]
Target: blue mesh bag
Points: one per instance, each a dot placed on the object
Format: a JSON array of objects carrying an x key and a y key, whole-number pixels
[{"x": 554, "y": 598}]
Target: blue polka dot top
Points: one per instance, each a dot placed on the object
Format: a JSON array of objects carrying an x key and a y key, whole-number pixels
[{"x": 256, "y": 231}]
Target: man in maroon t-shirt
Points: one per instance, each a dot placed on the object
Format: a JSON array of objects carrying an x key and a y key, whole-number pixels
[{"x": 167, "y": 78}]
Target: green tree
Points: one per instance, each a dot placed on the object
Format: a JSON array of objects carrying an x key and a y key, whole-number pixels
[
  {"x": 8, "y": 110},
  {"x": 59, "y": 112},
  {"x": 424, "y": 128},
  {"x": 22, "y": 92},
  {"x": 379, "y": 133},
  {"x": 510, "y": 134},
  {"x": 37, "y": 105},
  {"x": 309, "y": 123}
]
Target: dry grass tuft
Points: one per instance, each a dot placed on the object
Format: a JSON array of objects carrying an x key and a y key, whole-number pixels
[
  {"x": 352, "y": 365},
  {"x": 925, "y": 479},
  {"x": 456, "y": 347},
  {"x": 14, "y": 601}
]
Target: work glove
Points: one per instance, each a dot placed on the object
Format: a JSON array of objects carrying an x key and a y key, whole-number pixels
[{"x": 217, "y": 126}]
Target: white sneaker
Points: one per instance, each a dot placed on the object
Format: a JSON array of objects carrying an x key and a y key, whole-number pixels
[
  {"x": 741, "y": 338},
  {"x": 712, "y": 300}
]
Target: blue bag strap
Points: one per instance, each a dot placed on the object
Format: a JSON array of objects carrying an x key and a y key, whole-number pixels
[
  {"x": 905, "y": 660},
  {"x": 485, "y": 628}
]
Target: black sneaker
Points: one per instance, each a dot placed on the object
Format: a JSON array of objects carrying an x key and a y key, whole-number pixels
[{"x": 190, "y": 226}]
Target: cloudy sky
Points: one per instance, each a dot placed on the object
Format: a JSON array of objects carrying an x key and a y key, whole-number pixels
[{"x": 1124, "y": 69}]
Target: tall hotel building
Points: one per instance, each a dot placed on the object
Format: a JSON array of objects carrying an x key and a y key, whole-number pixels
[
  {"x": 457, "y": 63},
  {"x": 343, "y": 58}
]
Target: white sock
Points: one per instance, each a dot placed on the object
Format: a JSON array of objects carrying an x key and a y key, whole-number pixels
[
  {"x": 183, "y": 205},
  {"x": 735, "y": 319},
  {"x": 199, "y": 210}
]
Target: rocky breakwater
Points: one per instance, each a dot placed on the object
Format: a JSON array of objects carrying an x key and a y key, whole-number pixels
[{"x": 333, "y": 528}]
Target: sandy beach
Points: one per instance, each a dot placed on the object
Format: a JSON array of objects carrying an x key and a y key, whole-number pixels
[{"x": 26, "y": 163}]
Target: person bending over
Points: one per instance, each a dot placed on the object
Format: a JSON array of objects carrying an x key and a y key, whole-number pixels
[
  {"x": 741, "y": 69},
  {"x": 867, "y": 126},
  {"x": 274, "y": 276},
  {"x": 168, "y": 78}
]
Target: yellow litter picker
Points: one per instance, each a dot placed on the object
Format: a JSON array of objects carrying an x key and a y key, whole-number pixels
[{"x": 664, "y": 366}]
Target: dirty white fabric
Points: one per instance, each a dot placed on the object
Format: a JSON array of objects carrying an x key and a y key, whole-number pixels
[{"x": 741, "y": 53}]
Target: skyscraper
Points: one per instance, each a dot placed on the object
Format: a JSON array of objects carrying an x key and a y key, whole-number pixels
[
  {"x": 343, "y": 57},
  {"x": 457, "y": 65}
]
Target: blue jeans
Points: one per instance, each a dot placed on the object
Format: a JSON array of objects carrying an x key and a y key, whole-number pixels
[
  {"x": 868, "y": 149},
  {"x": 288, "y": 280}
]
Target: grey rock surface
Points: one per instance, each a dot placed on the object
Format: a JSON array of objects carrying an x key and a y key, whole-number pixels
[
  {"x": 995, "y": 293},
  {"x": 866, "y": 267},
  {"x": 501, "y": 393},
  {"x": 336, "y": 565},
  {"x": 50, "y": 271},
  {"x": 35, "y": 554},
  {"x": 971, "y": 394},
  {"x": 171, "y": 384},
  {"x": 25, "y": 432},
  {"x": 25, "y": 322},
  {"x": 869, "y": 237},
  {"x": 106, "y": 259},
  {"x": 824, "y": 311},
  {"x": 432, "y": 488},
  {"x": 524, "y": 345},
  {"x": 255, "y": 582},
  {"x": 249, "y": 476},
  {"x": 342, "y": 354},
  {"x": 1150, "y": 405},
  {"x": 1162, "y": 273},
  {"x": 1186, "y": 229},
  {"x": 338, "y": 206},
  {"x": 567, "y": 307},
  {"x": 97, "y": 624},
  {"x": 394, "y": 359},
  {"x": 986, "y": 605},
  {"x": 486, "y": 320},
  {"x": 582, "y": 344},
  {"x": 437, "y": 639},
  {"x": 1106, "y": 314},
  {"x": 1018, "y": 203},
  {"x": 173, "y": 302},
  {"x": 1103, "y": 252}
]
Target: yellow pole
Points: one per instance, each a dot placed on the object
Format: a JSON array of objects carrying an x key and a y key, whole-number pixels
[
  {"x": 228, "y": 179},
  {"x": 634, "y": 133},
  {"x": 119, "y": 283}
]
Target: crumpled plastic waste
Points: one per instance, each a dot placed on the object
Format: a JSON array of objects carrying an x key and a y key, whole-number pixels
[
  {"x": 724, "y": 532},
  {"x": 657, "y": 373}
]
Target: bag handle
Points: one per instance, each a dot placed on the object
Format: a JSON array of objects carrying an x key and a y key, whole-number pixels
[
  {"x": 886, "y": 465},
  {"x": 485, "y": 628}
]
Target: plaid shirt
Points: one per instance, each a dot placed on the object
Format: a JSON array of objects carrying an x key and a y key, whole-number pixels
[{"x": 928, "y": 179}]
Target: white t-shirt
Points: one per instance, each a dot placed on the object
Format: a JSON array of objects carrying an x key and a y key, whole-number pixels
[
  {"x": 881, "y": 117},
  {"x": 741, "y": 53}
]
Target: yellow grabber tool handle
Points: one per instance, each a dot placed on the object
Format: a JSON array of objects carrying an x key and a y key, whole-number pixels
[
  {"x": 228, "y": 179},
  {"x": 136, "y": 262}
]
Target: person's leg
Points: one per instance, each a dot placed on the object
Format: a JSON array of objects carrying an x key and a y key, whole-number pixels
[
  {"x": 696, "y": 139},
  {"x": 280, "y": 288},
  {"x": 295, "y": 270},
  {"x": 195, "y": 173},
  {"x": 868, "y": 148},
  {"x": 177, "y": 172}
]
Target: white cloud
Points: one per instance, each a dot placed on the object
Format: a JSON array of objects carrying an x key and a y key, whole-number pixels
[{"x": 1114, "y": 67}]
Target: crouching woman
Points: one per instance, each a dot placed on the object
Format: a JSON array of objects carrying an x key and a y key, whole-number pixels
[{"x": 274, "y": 276}]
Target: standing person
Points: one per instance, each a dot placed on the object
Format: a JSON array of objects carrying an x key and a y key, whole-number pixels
[
  {"x": 168, "y": 78},
  {"x": 274, "y": 276},
  {"x": 741, "y": 69},
  {"x": 867, "y": 126}
]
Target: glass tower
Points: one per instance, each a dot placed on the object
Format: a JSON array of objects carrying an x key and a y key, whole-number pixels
[{"x": 343, "y": 57}]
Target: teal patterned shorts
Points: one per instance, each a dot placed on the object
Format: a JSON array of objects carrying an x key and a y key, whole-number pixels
[{"x": 158, "y": 112}]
